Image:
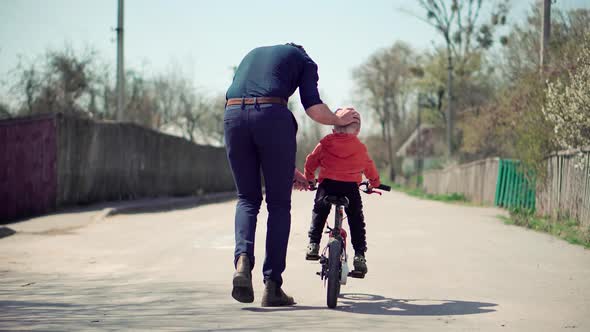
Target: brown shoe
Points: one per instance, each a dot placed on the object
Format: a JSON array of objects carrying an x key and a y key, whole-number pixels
[
  {"x": 274, "y": 296},
  {"x": 243, "y": 291}
]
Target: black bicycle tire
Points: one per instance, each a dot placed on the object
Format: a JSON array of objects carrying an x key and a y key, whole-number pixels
[{"x": 334, "y": 271}]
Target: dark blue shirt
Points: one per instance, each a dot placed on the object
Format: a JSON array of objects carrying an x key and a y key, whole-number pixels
[{"x": 277, "y": 71}]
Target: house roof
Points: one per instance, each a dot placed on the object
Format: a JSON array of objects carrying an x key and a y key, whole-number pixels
[{"x": 408, "y": 147}]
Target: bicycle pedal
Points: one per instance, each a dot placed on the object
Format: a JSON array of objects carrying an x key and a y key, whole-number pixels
[
  {"x": 312, "y": 258},
  {"x": 356, "y": 274}
]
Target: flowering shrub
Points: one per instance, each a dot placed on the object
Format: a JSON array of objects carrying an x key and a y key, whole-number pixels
[{"x": 567, "y": 105}]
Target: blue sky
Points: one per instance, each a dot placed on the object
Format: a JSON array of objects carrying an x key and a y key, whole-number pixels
[{"x": 206, "y": 38}]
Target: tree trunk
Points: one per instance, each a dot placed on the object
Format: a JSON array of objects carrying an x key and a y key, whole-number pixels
[{"x": 390, "y": 150}]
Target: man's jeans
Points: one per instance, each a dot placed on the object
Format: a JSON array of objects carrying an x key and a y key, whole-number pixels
[{"x": 262, "y": 138}]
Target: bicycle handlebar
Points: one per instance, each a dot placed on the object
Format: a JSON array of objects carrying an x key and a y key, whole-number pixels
[
  {"x": 369, "y": 190},
  {"x": 312, "y": 185},
  {"x": 384, "y": 187}
]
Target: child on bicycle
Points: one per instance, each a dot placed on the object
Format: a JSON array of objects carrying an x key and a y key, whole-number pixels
[{"x": 342, "y": 160}]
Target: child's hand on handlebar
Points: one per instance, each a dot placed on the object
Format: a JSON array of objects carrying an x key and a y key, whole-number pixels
[{"x": 312, "y": 185}]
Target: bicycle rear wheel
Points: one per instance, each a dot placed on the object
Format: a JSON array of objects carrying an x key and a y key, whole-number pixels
[{"x": 334, "y": 271}]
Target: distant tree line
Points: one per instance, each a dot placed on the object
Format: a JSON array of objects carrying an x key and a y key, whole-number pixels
[
  {"x": 488, "y": 69},
  {"x": 484, "y": 74},
  {"x": 81, "y": 83}
]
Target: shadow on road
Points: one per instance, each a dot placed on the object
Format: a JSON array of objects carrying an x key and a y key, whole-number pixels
[
  {"x": 55, "y": 303},
  {"x": 369, "y": 304},
  {"x": 45, "y": 302},
  {"x": 132, "y": 206},
  {"x": 172, "y": 203}
]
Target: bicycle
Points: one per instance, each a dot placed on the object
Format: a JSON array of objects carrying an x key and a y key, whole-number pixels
[{"x": 335, "y": 265}]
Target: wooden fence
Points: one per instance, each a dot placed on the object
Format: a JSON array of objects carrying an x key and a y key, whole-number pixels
[
  {"x": 476, "y": 180},
  {"x": 566, "y": 190},
  {"x": 51, "y": 161}
]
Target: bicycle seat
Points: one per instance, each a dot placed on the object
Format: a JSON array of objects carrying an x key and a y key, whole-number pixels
[{"x": 336, "y": 200}]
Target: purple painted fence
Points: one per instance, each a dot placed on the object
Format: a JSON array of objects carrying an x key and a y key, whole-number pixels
[{"x": 28, "y": 173}]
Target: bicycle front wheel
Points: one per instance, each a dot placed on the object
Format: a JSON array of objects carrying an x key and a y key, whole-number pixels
[{"x": 334, "y": 271}]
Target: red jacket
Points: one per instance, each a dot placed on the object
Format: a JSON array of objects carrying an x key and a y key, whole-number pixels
[{"x": 341, "y": 157}]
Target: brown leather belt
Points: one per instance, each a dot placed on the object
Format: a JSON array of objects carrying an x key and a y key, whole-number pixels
[{"x": 256, "y": 100}]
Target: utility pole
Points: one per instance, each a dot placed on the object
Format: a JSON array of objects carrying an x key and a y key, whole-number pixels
[
  {"x": 545, "y": 34},
  {"x": 120, "y": 64},
  {"x": 449, "y": 114}
]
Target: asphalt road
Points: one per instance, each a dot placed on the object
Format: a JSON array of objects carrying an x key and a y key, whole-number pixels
[{"x": 432, "y": 267}]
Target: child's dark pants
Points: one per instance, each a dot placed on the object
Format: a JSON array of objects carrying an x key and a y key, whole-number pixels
[{"x": 354, "y": 212}]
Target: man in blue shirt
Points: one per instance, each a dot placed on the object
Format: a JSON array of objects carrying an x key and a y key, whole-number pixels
[{"x": 260, "y": 136}]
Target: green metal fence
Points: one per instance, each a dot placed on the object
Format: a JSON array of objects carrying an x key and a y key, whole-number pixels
[{"x": 514, "y": 189}]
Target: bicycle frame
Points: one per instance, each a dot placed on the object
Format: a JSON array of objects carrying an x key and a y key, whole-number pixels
[
  {"x": 334, "y": 267},
  {"x": 336, "y": 232}
]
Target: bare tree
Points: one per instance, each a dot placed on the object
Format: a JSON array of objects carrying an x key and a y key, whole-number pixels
[
  {"x": 190, "y": 115},
  {"x": 214, "y": 120},
  {"x": 383, "y": 86},
  {"x": 167, "y": 90},
  {"x": 28, "y": 85},
  {"x": 308, "y": 136},
  {"x": 568, "y": 28},
  {"x": 200, "y": 117},
  {"x": 79, "y": 83},
  {"x": 141, "y": 107},
  {"x": 63, "y": 83},
  {"x": 457, "y": 22}
]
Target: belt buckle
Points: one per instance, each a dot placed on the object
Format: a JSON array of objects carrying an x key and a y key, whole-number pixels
[{"x": 256, "y": 105}]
